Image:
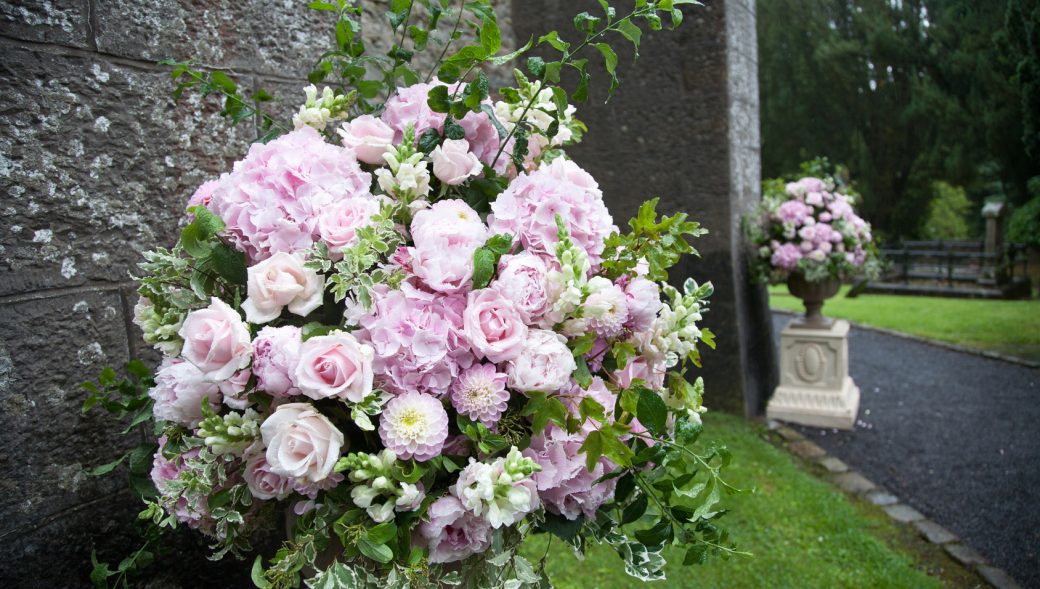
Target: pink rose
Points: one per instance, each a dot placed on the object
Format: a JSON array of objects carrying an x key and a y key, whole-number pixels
[
  {"x": 544, "y": 364},
  {"x": 453, "y": 220},
  {"x": 493, "y": 325},
  {"x": 301, "y": 443},
  {"x": 335, "y": 365},
  {"x": 411, "y": 105},
  {"x": 216, "y": 341},
  {"x": 369, "y": 137},
  {"x": 338, "y": 224},
  {"x": 522, "y": 280},
  {"x": 453, "y": 163},
  {"x": 276, "y": 352},
  {"x": 233, "y": 388},
  {"x": 652, "y": 376},
  {"x": 178, "y": 393},
  {"x": 264, "y": 483},
  {"x": 451, "y": 533},
  {"x": 644, "y": 302},
  {"x": 278, "y": 281}
]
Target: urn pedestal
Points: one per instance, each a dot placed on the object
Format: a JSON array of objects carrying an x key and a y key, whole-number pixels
[{"x": 815, "y": 387}]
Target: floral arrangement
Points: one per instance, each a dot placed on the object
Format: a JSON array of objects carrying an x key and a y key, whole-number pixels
[
  {"x": 809, "y": 227},
  {"x": 413, "y": 327}
]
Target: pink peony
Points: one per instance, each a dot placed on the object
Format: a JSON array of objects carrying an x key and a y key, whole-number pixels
[
  {"x": 452, "y": 220},
  {"x": 216, "y": 341},
  {"x": 484, "y": 141},
  {"x": 369, "y": 137},
  {"x": 606, "y": 311},
  {"x": 441, "y": 267},
  {"x": 414, "y": 425},
  {"x": 335, "y": 365},
  {"x": 493, "y": 326},
  {"x": 276, "y": 352},
  {"x": 178, "y": 393},
  {"x": 451, "y": 533},
  {"x": 272, "y": 199},
  {"x": 234, "y": 388},
  {"x": 409, "y": 105},
  {"x": 644, "y": 302},
  {"x": 338, "y": 224},
  {"x": 522, "y": 280},
  {"x": 418, "y": 338},
  {"x": 480, "y": 394},
  {"x": 529, "y": 206},
  {"x": 545, "y": 363}
]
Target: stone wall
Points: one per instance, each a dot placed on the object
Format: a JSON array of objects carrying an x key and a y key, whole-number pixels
[
  {"x": 684, "y": 127},
  {"x": 96, "y": 162}
]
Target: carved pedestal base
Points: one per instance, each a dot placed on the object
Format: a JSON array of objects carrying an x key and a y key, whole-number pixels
[{"x": 815, "y": 387}]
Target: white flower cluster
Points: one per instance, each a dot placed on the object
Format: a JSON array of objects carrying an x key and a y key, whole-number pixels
[
  {"x": 674, "y": 333},
  {"x": 377, "y": 491},
  {"x": 317, "y": 112},
  {"x": 538, "y": 116},
  {"x": 159, "y": 329},
  {"x": 569, "y": 285},
  {"x": 407, "y": 179},
  {"x": 496, "y": 491}
]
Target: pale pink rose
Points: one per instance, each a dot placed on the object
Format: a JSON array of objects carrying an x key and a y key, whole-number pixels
[
  {"x": 335, "y": 365},
  {"x": 278, "y": 281},
  {"x": 453, "y": 220},
  {"x": 453, "y": 163},
  {"x": 216, "y": 341},
  {"x": 234, "y": 389},
  {"x": 276, "y": 352},
  {"x": 545, "y": 363},
  {"x": 644, "y": 302},
  {"x": 522, "y": 280},
  {"x": 651, "y": 375},
  {"x": 369, "y": 137},
  {"x": 451, "y": 533},
  {"x": 178, "y": 393},
  {"x": 338, "y": 224},
  {"x": 301, "y": 443},
  {"x": 493, "y": 325},
  {"x": 442, "y": 267},
  {"x": 264, "y": 483}
]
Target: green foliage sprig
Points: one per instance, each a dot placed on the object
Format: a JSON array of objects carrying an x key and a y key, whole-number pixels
[{"x": 659, "y": 244}]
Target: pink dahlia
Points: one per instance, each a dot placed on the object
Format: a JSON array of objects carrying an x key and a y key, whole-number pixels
[
  {"x": 414, "y": 425},
  {"x": 273, "y": 198},
  {"x": 528, "y": 209},
  {"x": 480, "y": 394},
  {"x": 451, "y": 533}
]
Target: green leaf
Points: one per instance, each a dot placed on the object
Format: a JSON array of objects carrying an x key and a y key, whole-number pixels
[
  {"x": 502, "y": 59},
  {"x": 483, "y": 267},
  {"x": 593, "y": 449},
  {"x": 229, "y": 263},
  {"x": 553, "y": 38},
  {"x": 490, "y": 38},
  {"x": 585, "y": 23},
  {"x": 257, "y": 573},
  {"x": 631, "y": 32},
  {"x": 562, "y": 527},
  {"x": 581, "y": 374},
  {"x": 536, "y": 66},
  {"x": 429, "y": 141},
  {"x": 652, "y": 411},
  {"x": 107, "y": 468},
  {"x": 657, "y": 535},
  {"x": 610, "y": 60},
  {"x": 377, "y": 552},
  {"x": 438, "y": 99},
  {"x": 382, "y": 533},
  {"x": 222, "y": 81},
  {"x": 634, "y": 510}
]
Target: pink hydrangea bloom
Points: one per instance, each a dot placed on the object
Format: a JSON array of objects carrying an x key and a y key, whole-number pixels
[
  {"x": 272, "y": 199},
  {"x": 528, "y": 209},
  {"x": 564, "y": 484},
  {"x": 414, "y": 425},
  {"x": 793, "y": 211},
  {"x": 451, "y": 533},
  {"x": 179, "y": 390},
  {"x": 276, "y": 352},
  {"x": 204, "y": 194},
  {"x": 418, "y": 338},
  {"x": 786, "y": 256},
  {"x": 480, "y": 394},
  {"x": 191, "y": 509}
]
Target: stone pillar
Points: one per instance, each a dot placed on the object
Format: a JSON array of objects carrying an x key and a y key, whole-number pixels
[
  {"x": 684, "y": 127},
  {"x": 994, "y": 213}
]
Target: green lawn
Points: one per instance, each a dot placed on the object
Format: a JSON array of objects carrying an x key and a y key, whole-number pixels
[
  {"x": 802, "y": 531},
  {"x": 1008, "y": 327}
]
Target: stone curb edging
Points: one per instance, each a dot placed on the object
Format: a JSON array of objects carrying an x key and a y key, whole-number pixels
[
  {"x": 931, "y": 342},
  {"x": 853, "y": 483}
]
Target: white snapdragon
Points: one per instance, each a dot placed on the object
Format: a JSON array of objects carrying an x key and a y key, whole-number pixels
[
  {"x": 568, "y": 286},
  {"x": 406, "y": 176},
  {"x": 502, "y": 491},
  {"x": 377, "y": 491},
  {"x": 159, "y": 329},
  {"x": 317, "y": 112}
]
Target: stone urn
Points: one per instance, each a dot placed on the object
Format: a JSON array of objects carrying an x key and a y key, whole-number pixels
[{"x": 813, "y": 294}]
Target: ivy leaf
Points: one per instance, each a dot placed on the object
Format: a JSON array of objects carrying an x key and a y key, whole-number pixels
[{"x": 652, "y": 411}]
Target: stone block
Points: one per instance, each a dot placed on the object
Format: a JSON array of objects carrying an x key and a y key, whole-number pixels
[
  {"x": 933, "y": 532},
  {"x": 882, "y": 497},
  {"x": 998, "y": 578},
  {"x": 832, "y": 464},
  {"x": 853, "y": 482},
  {"x": 791, "y": 435},
  {"x": 815, "y": 387},
  {"x": 903, "y": 513},
  {"x": 965, "y": 555},
  {"x": 49, "y": 504},
  {"x": 806, "y": 449},
  {"x": 87, "y": 183},
  {"x": 64, "y": 22}
]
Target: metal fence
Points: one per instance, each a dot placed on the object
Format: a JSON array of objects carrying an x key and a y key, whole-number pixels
[{"x": 953, "y": 263}]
